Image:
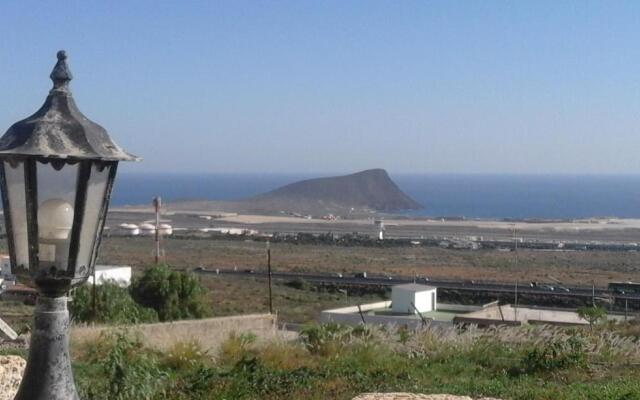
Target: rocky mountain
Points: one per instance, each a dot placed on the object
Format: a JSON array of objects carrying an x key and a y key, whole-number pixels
[{"x": 370, "y": 190}]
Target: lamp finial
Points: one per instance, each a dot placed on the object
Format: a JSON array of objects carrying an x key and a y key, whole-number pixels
[{"x": 61, "y": 74}]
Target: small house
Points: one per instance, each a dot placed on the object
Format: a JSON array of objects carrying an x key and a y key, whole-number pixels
[{"x": 412, "y": 298}]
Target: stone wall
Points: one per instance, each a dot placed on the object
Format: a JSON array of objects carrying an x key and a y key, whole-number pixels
[
  {"x": 210, "y": 332},
  {"x": 11, "y": 370}
]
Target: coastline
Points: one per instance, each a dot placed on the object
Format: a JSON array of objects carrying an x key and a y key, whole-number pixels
[{"x": 627, "y": 228}]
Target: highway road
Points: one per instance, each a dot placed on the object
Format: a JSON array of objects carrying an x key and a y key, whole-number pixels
[{"x": 483, "y": 286}]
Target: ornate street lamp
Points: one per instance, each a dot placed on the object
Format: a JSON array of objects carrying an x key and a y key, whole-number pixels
[{"x": 56, "y": 173}]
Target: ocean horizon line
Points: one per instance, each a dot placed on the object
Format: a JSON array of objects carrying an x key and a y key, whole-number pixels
[{"x": 392, "y": 173}]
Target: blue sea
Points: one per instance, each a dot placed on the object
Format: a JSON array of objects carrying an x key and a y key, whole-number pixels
[{"x": 471, "y": 196}]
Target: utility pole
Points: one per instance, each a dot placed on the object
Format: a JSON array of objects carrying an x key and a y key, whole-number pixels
[
  {"x": 515, "y": 309},
  {"x": 593, "y": 294},
  {"x": 515, "y": 262},
  {"x": 269, "y": 277},
  {"x": 515, "y": 248},
  {"x": 157, "y": 203}
]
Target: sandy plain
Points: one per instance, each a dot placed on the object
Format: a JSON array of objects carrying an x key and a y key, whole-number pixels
[{"x": 595, "y": 229}]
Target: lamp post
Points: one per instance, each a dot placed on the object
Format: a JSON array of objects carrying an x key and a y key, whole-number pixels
[{"x": 56, "y": 173}]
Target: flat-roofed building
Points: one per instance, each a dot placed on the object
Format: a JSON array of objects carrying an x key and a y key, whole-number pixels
[{"x": 413, "y": 298}]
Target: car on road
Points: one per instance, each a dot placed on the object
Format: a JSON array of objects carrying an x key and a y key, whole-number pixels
[
  {"x": 249, "y": 271},
  {"x": 360, "y": 275},
  {"x": 549, "y": 287},
  {"x": 199, "y": 268}
]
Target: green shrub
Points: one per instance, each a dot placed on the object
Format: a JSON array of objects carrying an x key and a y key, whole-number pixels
[
  {"x": 299, "y": 284},
  {"x": 173, "y": 294},
  {"x": 556, "y": 355},
  {"x": 592, "y": 314},
  {"x": 114, "y": 305}
]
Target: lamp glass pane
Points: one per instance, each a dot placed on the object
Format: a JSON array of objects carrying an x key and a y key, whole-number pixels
[
  {"x": 88, "y": 233},
  {"x": 56, "y": 200},
  {"x": 17, "y": 204}
]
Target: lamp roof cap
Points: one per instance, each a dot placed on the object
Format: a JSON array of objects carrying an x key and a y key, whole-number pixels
[{"x": 59, "y": 130}]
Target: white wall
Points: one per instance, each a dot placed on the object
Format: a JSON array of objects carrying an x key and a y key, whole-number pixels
[
  {"x": 350, "y": 316},
  {"x": 425, "y": 301},
  {"x": 355, "y": 319},
  {"x": 363, "y": 307}
]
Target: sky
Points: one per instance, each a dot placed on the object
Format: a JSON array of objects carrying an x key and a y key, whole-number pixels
[{"x": 536, "y": 87}]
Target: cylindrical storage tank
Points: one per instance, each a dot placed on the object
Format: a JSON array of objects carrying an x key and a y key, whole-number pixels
[
  {"x": 165, "y": 229},
  {"x": 147, "y": 229},
  {"x": 133, "y": 230},
  {"x": 129, "y": 229}
]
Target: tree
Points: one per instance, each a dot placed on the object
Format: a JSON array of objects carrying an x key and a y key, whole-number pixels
[
  {"x": 592, "y": 314},
  {"x": 114, "y": 305},
  {"x": 173, "y": 294}
]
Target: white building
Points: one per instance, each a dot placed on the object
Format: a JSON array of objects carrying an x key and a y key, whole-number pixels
[
  {"x": 412, "y": 298},
  {"x": 5, "y": 264},
  {"x": 120, "y": 274}
]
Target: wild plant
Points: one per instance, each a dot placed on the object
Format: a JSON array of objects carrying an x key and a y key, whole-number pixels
[
  {"x": 130, "y": 370},
  {"x": 187, "y": 354}
]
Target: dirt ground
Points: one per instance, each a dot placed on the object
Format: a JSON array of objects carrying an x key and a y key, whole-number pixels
[
  {"x": 568, "y": 267},
  {"x": 229, "y": 295}
]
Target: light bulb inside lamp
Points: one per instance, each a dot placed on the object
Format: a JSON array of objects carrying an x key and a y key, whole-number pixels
[{"x": 55, "y": 218}]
